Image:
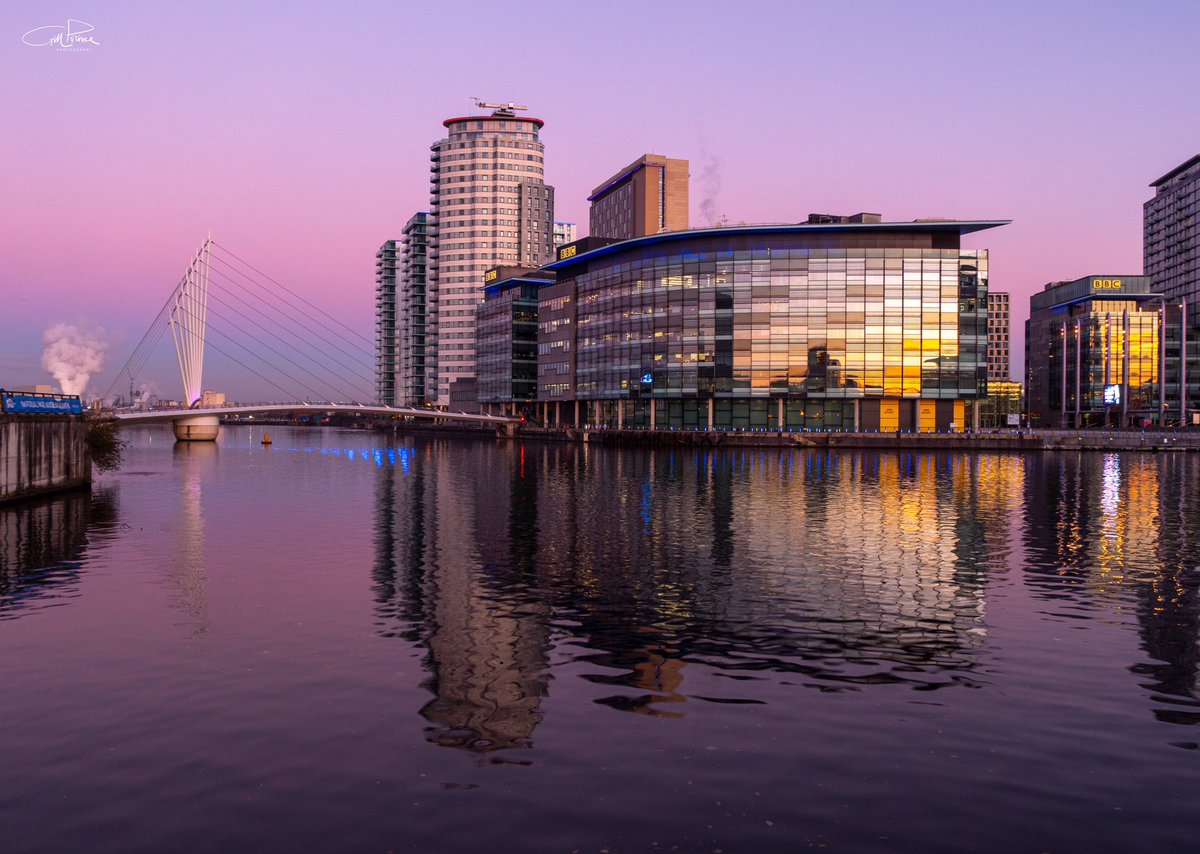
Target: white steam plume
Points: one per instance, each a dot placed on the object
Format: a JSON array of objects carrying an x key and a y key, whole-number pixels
[
  {"x": 709, "y": 184},
  {"x": 73, "y": 354}
]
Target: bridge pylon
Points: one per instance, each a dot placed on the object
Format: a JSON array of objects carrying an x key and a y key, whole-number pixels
[{"x": 188, "y": 319}]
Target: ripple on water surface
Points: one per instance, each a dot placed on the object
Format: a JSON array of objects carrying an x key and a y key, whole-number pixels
[{"x": 355, "y": 640}]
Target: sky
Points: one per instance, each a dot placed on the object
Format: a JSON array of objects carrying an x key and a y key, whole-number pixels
[{"x": 299, "y": 134}]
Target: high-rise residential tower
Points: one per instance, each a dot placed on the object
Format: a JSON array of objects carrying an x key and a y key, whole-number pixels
[
  {"x": 412, "y": 317},
  {"x": 1171, "y": 234},
  {"x": 648, "y": 196},
  {"x": 489, "y": 206},
  {"x": 385, "y": 323},
  {"x": 998, "y": 336}
]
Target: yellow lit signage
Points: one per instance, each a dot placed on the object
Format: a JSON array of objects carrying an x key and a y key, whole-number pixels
[
  {"x": 567, "y": 252},
  {"x": 491, "y": 275},
  {"x": 1106, "y": 284}
]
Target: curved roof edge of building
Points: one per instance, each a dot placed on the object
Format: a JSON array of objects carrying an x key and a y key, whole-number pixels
[
  {"x": 959, "y": 226},
  {"x": 537, "y": 122}
]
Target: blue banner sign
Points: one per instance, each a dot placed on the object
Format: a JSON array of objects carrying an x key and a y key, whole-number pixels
[{"x": 40, "y": 404}]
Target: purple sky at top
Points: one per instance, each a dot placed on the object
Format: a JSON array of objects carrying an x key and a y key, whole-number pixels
[{"x": 299, "y": 133}]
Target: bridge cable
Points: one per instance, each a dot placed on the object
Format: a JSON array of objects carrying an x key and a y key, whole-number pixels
[
  {"x": 299, "y": 312},
  {"x": 207, "y": 343},
  {"x": 354, "y": 367},
  {"x": 357, "y": 371},
  {"x": 156, "y": 325},
  {"x": 161, "y": 323},
  {"x": 297, "y": 296},
  {"x": 309, "y": 372}
]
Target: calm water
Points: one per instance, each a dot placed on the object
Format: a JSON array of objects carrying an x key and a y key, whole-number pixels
[{"x": 348, "y": 641}]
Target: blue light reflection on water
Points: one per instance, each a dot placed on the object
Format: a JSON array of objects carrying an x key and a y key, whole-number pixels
[
  {"x": 378, "y": 456},
  {"x": 701, "y": 649}
]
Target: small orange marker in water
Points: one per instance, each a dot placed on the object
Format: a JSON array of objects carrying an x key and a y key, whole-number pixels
[{"x": 266, "y": 440}]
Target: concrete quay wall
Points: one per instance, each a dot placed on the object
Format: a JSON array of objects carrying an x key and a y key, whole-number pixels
[{"x": 41, "y": 454}]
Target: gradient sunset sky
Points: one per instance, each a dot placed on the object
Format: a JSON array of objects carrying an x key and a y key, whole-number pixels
[{"x": 299, "y": 133}]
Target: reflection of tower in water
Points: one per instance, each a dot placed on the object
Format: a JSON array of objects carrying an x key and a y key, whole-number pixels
[
  {"x": 1169, "y": 605},
  {"x": 196, "y": 461},
  {"x": 1105, "y": 529},
  {"x": 461, "y": 550}
]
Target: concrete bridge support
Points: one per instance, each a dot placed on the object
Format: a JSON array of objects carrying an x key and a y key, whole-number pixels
[{"x": 199, "y": 428}]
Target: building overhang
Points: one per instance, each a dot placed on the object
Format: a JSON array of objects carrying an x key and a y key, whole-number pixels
[
  {"x": 490, "y": 118},
  {"x": 959, "y": 227}
]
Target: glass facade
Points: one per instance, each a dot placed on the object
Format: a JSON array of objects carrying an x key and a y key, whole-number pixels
[
  {"x": 508, "y": 344},
  {"x": 1098, "y": 350},
  {"x": 784, "y": 330}
]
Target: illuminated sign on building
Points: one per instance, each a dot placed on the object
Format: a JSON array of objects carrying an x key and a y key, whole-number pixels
[
  {"x": 1112, "y": 395},
  {"x": 1106, "y": 284},
  {"x": 491, "y": 275},
  {"x": 567, "y": 252}
]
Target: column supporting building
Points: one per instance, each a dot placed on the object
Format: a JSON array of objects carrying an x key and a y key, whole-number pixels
[
  {"x": 1125, "y": 369},
  {"x": 1183, "y": 320},
  {"x": 1062, "y": 422},
  {"x": 1078, "y": 373}
]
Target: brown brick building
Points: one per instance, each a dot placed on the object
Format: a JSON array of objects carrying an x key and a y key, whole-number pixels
[{"x": 648, "y": 196}]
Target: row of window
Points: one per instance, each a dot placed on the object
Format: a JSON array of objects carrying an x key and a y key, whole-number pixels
[{"x": 482, "y": 156}]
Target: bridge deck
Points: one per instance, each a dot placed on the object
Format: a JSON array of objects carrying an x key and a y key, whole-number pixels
[{"x": 158, "y": 415}]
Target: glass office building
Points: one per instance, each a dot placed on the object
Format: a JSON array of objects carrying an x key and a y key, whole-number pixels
[
  {"x": 843, "y": 325},
  {"x": 1105, "y": 351},
  {"x": 506, "y": 378}
]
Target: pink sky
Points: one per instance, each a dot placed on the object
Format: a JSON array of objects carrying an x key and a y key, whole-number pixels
[{"x": 299, "y": 133}]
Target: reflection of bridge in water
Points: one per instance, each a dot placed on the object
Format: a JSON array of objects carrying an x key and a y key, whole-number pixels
[{"x": 288, "y": 336}]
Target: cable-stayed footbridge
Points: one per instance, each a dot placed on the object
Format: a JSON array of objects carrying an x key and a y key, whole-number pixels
[{"x": 225, "y": 304}]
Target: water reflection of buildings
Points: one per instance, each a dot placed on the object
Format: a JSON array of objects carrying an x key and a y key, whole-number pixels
[
  {"x": 43, "y": 543},
  {"x": 1103, "y": 530},
  {"x": 848, "y": 570},
  {"x": 449, "y": 548}
]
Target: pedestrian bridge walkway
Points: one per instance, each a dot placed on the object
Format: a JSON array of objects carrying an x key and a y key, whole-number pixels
[{"x": 158, "y": 415}]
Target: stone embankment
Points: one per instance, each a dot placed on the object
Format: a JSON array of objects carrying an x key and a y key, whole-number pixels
[{"x": 42, "y": 454}]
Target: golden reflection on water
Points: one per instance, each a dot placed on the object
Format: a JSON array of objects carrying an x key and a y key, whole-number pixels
[{"x": 848, "y": 569}]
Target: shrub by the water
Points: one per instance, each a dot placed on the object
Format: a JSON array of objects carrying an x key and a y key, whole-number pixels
[{"x": 104, "y": 443}]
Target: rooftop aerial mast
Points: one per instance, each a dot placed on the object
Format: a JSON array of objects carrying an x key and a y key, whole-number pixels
[{"x": 505, "y": 110}]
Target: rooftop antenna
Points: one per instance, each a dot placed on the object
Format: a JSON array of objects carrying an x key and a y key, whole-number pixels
[{"x": 503, "y": 110}]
